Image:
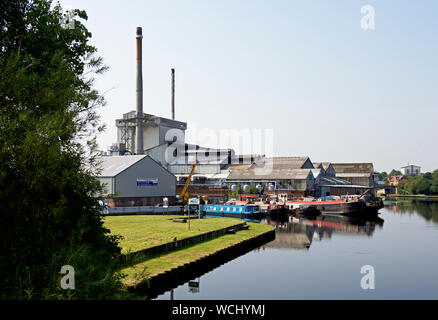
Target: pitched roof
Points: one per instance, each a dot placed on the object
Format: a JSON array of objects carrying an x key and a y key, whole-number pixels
[
  {"x": 257, "y": 172},
  {"x": 344, "y": 168},
  {"x": 113, "y": 165},
  {"x": 317, "y": 164},
  {"x": 410, "y": 165},
  {"x": 277, "y": 168},
  {"x": 289, "y": 162}
]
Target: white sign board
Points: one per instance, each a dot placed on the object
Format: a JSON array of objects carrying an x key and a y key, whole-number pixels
[{"x": 194, "y": 201}]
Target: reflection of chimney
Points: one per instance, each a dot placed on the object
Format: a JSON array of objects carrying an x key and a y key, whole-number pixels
[
  {"x": 139, "y": 126},
  {"x": 173, "y": 94}
]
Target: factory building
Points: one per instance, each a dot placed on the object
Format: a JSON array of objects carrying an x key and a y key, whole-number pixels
[
  {"x": 136, "y": 180},
  {"x": 361, "y": 174},
  {"x": 286, "y": 175},
  {"x": 152, "y": 160},
  {"x": 326, "y": 167}
]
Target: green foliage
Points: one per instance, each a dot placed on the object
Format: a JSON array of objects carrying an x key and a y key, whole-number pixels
[
  {"x": 382, "y": 176},
  {"x": 48, "y": 126},
  {"x": 251, "y": 190},
  {"x": 426, "y": 184},
  {"x": 235, "y": 193},
  {"x": 394, "y": 173}
]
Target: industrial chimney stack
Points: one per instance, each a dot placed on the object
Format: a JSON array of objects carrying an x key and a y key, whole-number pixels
[
  {"x": 173, "y": 94},
  {"x": 139, "y": 126}
]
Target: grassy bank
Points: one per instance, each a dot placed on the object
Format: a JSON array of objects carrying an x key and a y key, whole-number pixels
[
  {"x": 141, "y": 232},
  {"x": 412, "y": 196},
  {"x": 166, "y": 262}
]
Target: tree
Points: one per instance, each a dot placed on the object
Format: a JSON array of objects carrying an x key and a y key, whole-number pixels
[
  {"x": 48, "y": 125},
  {"x": 394, "y": 173}
]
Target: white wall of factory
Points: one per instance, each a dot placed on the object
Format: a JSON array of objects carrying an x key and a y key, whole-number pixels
[{"x": 152, "y": 136}]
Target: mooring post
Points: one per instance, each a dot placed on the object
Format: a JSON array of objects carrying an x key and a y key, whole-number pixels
[{"x": 188, "y": 210}]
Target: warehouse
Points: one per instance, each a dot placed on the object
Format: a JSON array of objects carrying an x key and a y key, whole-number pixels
[
  {"x": 361, "y": 174},
  {"x": 136, "y": 180},
  {"x": 286, "y": 175}
]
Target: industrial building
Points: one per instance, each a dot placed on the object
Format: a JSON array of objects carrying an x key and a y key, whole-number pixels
[
  {"x": 136, "y": 180},
  {"x": 288, "y": 175},
  {"x": 361, "y": 174},
  {"x": 152, "y": 160},
  {"x": 326, "y": 167}
]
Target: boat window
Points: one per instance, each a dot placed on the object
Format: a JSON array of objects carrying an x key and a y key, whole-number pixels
[{"x": 228, "y": 209}]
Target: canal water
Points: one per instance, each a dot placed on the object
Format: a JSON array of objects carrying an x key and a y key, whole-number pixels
[{"x": 323, "y": 258}]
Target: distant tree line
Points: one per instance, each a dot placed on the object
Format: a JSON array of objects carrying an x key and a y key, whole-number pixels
[{"x": 426, "y": 184}]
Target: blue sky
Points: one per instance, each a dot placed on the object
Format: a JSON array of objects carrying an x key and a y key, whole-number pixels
[{"x": 306, "y": 69}]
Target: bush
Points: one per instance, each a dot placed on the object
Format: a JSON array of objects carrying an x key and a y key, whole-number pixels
[{"x": 48, "y": 124}]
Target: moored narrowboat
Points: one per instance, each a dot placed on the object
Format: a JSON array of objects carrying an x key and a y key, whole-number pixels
[{"x": 245, "y": 211}]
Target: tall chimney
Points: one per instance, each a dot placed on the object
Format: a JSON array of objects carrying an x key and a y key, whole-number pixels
[
  {"x": 173, "y": 94},
  {"x": 139, "y": 125}
]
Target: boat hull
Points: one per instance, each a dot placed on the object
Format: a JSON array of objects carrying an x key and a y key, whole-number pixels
[
  {"x": 350, "y": 208},
  {"x": 253, "y": 216}
]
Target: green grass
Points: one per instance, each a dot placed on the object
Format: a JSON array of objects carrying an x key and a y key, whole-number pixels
[
  {"x": 168, "y": 261},
  {"x": 141, "y": 232}
]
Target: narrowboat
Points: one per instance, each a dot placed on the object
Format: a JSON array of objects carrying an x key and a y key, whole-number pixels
[{"x": 244, "y": 211}]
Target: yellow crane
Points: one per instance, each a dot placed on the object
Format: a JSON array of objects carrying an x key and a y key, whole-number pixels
[{"x": 184, "y": 196}]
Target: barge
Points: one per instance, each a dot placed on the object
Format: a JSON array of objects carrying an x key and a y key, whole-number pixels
[
  {"x": 339, "y": 207},
  {"x": 244, "y": 211}
]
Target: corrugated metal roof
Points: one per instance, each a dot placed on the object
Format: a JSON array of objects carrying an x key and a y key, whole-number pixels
[
  {"x": 323, "y": 165},
  {"x": 353, "y": 168},
  {"x": 206, "y": 175},
  {"x": 332, "y": 180},
  {"x": 353, "y": 175},
  {"x": 113, "y": 165},
  {"x": 289, "y": 162},
  {"x": 277, "y": 168},
  {"x": 237, "y": 167},
  {"x": 267, "y": 174}
]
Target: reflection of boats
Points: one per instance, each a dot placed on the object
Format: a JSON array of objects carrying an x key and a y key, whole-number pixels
[
  {"x": 306, "y": 210},
  {"x": 277, "y": 209},
  {"x": 298, "y": 232}
]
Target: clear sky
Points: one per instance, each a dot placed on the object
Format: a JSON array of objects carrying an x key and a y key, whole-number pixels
[{"x": 306, "y": 69}]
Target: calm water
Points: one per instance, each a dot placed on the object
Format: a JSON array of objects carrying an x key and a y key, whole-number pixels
[{"x": 322, "y": 259}]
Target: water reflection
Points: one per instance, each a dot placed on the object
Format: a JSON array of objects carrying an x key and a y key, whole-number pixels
[
  {"x": 426, "y": 209},
  {"x": 298, "y": 232},
  {"x": 402, "y": 248}
]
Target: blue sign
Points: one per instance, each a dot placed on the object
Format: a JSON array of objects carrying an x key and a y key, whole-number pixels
[{"x": 147, "y": 182}]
